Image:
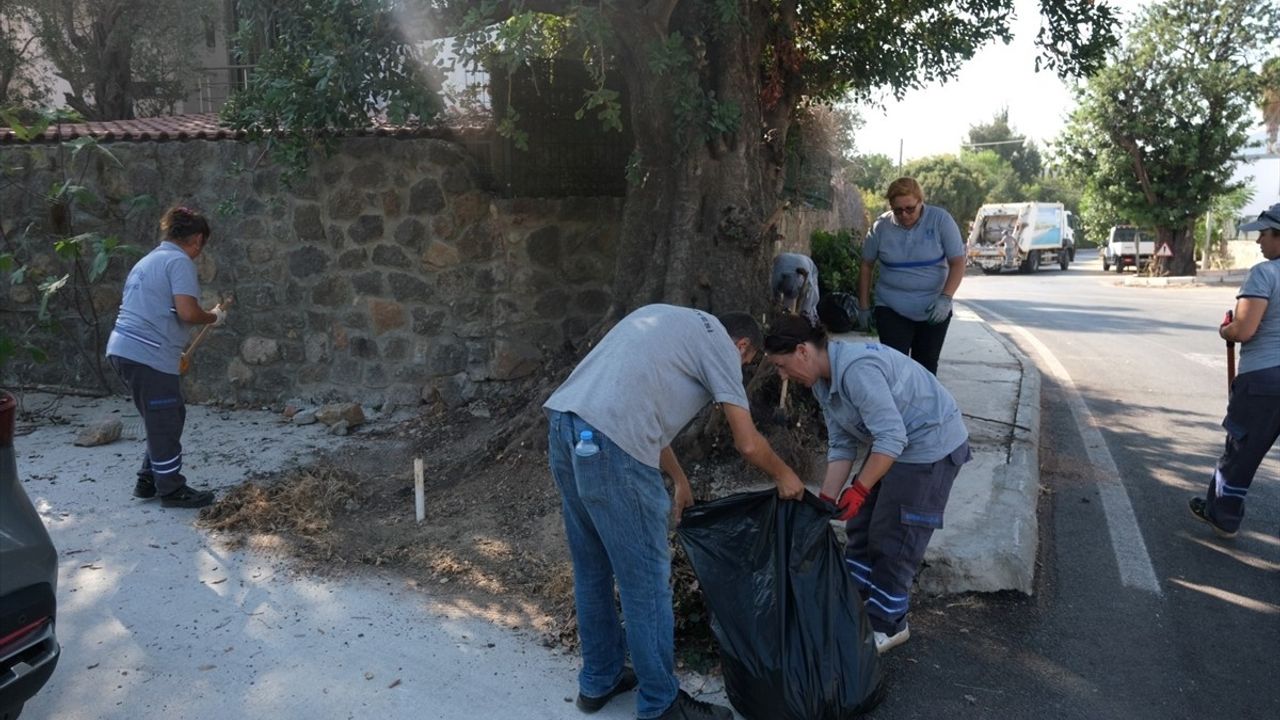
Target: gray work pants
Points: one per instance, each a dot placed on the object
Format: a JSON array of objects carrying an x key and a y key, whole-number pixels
[
  {"x": 887, "y": 538},
  {"x": 1252, "y": 425},
  {"x": 158, "y": 398}
]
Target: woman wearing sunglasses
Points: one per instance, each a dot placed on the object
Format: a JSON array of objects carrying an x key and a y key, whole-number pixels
[
  {"x": 872, "y": 394},
  {"x": 921, "y": 257}
]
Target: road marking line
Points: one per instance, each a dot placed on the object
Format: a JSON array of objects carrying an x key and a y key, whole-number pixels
[{"x": 1132, "y": 558}]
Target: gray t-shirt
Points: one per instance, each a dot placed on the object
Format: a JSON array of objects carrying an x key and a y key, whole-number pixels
[
  {"x": 147, "y": 329},
  {"x": 913, "y": 262},
  {"x": 790, "y": 284},
  {"x": 1263, "y": 349},
  {"x": 879, "y": 396},
  {"x": 650, "y": 375}
]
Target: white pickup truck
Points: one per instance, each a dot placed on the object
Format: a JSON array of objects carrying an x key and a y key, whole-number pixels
[{"x": 1120, "y": 250}]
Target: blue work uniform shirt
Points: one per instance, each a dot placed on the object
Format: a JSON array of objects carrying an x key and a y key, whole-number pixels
[
  {"x": 147, "y": 328},
  {"x": 1263, "y": 349},
  {"x": 879, "y": 396},
  {"x": 913, "y": 262}
]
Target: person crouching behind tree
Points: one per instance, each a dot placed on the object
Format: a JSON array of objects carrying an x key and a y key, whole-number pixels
[
  {"x": 625, "y": 402},
  {"x": 160, "y": 304},
  {"x": 873, "y": 394},
  {"x": 794, "y": 283}
]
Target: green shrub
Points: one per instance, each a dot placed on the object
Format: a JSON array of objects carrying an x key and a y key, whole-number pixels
[{"x": 837, "y": 259}]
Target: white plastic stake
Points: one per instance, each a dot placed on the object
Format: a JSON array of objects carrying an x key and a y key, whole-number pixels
[{"x": 419, "y": 498}]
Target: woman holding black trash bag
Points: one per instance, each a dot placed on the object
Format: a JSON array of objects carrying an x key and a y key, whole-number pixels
[{"x": 874, "y": 394}]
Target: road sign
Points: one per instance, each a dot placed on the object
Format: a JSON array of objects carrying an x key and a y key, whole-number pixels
[{"x": 1164, "y": 251}]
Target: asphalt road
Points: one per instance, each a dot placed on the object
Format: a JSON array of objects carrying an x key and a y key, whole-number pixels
[{"x": 1139, "y": 611}]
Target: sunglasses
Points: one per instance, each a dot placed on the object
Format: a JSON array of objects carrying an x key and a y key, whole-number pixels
[{"x": 905, "y": 210}]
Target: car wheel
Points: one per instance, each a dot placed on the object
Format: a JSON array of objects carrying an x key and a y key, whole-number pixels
[{"x": 1105, "y": 265}]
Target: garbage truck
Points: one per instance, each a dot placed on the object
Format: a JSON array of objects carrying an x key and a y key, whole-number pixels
[{"x": 1021, "y": 236}]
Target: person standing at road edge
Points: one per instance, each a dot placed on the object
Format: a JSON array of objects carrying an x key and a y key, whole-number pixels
[
  {"x": 873, "y": 394},
  {"x": 1253, "y": 407},
  {"x": 922, "y": 258},
  {"x": 630, "y": 397},
  {"x": 160, "y": 303}
]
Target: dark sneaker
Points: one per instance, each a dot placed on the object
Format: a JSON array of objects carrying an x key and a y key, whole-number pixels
[
  {"x": 1200, "y": 509},
  {"x": 626, "y": 681},
  {"x": 187, "y": 497},
  {"x": 686, "y": 708},
  {"x": 145, "y": 487}
]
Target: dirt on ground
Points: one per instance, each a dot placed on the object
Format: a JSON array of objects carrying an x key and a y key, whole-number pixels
[{"x": 492, "y": 536}]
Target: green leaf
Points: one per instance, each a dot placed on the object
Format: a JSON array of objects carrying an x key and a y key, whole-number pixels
[
  {"x": 25, "y": 133},
  {"x": 6, "y": 262},
  {"x": 99, "y": 266}
]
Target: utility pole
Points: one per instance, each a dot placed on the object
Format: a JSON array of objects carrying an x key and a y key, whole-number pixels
[{"x": 899, "y": 156}]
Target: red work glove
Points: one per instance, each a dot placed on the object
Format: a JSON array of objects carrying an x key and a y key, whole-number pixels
[
  {"x": 850, "y": 501},
  {"x": 1226, "y": 319}
]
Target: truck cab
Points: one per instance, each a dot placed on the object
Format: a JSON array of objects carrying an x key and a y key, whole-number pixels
[{"x": 1127, "y": 246}]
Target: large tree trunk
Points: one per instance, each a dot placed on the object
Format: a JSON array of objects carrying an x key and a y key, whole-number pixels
[
  {"x": 1183, "y": 244},
  {"x": 698, "y": 224}
]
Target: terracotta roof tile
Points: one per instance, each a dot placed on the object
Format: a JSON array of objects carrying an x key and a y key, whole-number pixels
[
  {"x": 204, "y": 126},
  {"x": 168, "y": 127}
]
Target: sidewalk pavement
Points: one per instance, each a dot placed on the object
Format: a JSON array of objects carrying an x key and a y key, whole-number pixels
[
  {"x": 990, "y": 532},
  {"x": 159, "y": 619}
]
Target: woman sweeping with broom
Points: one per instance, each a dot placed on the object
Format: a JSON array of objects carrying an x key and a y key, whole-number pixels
[{"x": 160, "y": 304}]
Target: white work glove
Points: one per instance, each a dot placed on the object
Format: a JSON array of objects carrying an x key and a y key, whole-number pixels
[
  {"x": 220, "y": 314},
  {"x": 940, "y": 310},
  {"x": 863, "y": 322}
]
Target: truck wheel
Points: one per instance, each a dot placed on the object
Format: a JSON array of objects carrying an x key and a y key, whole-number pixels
[
  {"x": 1064, "y": 258},
  {"x": 1030, "y": 263},
  {"x": 1119, "y": 265},
  {"x": 1105, "y": 265}
]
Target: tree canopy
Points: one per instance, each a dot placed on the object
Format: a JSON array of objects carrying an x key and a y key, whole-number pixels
[
  {"x": 714, "y": 88},
  {"x": 1157, "y": 133},
  {"x": 119, "y": 56},
  {"x": 1001, "y": 138}
]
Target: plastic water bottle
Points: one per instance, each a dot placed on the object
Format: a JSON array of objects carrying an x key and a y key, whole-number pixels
[{"x": 586, "y": 446}]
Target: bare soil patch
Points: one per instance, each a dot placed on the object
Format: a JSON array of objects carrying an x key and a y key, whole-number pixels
[{"x": 493, "y": 539}]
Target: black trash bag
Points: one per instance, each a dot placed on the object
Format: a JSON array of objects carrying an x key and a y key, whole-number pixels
[
  {"x": 794, "y": 639},
  {"x": 839, "y": 312}
]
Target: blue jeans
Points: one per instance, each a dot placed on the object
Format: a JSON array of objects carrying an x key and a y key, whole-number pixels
[{"x": 615, "y": 520}]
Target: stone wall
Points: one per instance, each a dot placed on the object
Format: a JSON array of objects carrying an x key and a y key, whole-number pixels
[{"x": 385, "y": 276}]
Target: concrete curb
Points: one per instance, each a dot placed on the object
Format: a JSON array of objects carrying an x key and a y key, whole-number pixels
[{"x": 992, "y": 533}]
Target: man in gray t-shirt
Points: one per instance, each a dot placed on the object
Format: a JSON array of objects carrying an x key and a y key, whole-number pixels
[
  {"x": 609, "y": 442},
  {"x": 1253, "y": 408}
]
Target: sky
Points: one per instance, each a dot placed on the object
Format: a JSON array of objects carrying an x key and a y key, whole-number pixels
[{"x": 936, "y": 119}]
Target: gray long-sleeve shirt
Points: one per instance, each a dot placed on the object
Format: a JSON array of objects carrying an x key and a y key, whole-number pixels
[
  {"x": 789, "y": 282},
  {"x": 879, "y": 396}
]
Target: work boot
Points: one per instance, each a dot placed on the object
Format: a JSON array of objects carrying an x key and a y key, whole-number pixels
[
  {"x": 187, "y": 497},
  {"x": 145, "y": 487},
  {"x": 686, "y": 708},
  {"x": 886, "y": 642},
  {"x": 1200, "y": 510},
  {"x": 626, "y": 681}
]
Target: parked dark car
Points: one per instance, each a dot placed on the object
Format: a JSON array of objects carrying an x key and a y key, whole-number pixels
[{"x": 28, "y": 583}]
